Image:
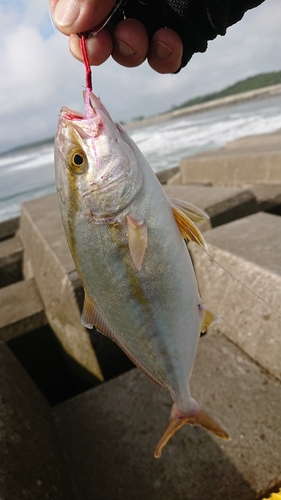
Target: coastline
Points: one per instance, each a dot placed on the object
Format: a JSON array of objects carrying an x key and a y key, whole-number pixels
[{"x": 264, "y": 92}]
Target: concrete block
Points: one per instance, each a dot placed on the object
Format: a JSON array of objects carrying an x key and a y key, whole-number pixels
[
  {"x": 234, "y": 166},
  {"x": 165, "y": 175},
  {"x": 11, "y": 256},
  {"x": 268, "y": 196},
  {"x": 271, "y": 139},
  {"x": 49, "y": 260},
  {"x": 175, "y": 180},
  {"x": 109, "y": 434},
  {"x": 221, "y": 204},
  {"x": 31, "y": 462},
  {"x": 250, "y": 250},
  {"x": 8, "y": 228},
  {"x": 22, "y": 309}
]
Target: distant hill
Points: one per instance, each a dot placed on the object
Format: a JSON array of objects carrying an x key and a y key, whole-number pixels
[{"x": 251, "y": 83}]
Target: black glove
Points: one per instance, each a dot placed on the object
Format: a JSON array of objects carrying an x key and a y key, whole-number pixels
[{"x": 196, "y": 21}]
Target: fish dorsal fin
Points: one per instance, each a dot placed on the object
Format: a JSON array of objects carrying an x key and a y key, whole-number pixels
[
  {"x": 191, "y": 211},
  {"x": 186, "y": 226},
  {"x": 137, "y": 238},
  {"x": 92, "y": 316},
  {"x": 209, "y": 319}
]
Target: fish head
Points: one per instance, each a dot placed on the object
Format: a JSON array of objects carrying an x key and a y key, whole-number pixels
[{"x": 97, "y": 171}]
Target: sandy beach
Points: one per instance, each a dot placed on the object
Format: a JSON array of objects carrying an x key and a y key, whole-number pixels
[{"x": 216, "y": 103}]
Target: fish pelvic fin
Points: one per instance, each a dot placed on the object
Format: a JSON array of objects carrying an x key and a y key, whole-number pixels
[
  {"x": 185, "y": 218},
  {"x": 137, "y": 238},
  {"x": 209, "y": 319},
  {"x": 178, "y": 419}
]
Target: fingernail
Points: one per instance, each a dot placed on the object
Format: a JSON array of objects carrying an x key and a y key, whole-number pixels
[
  {"x": 162, "y": 50},
  {"x": 66, "y": 12},
  {"x": 124, "y": 48}
]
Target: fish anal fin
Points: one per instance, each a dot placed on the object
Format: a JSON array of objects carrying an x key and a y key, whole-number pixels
[
  {"x": 187, "y": 228},
  {"x": 177, "y": 420},
  {"x": 92, "y": 316},
  {"x": 209, "y": 319},
  {"x": 137, "y": 238}
]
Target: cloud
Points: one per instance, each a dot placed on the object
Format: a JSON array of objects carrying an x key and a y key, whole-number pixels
[{"x": 38, "y": 74}]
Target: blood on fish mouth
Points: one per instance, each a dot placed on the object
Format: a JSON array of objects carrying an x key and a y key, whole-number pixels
[{"x": 71, "y": 117}]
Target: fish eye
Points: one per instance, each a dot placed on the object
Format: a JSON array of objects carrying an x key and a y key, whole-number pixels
[{"x": 77, "y": 161}]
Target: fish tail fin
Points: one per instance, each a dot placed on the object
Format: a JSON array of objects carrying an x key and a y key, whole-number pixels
[{"x": 178, "y": 419}]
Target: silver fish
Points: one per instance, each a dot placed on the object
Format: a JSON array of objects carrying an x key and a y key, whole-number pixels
[{"x": 127, "y": 240}]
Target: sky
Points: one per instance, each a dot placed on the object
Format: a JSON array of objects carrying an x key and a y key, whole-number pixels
[{"x": 39, "y": 75}]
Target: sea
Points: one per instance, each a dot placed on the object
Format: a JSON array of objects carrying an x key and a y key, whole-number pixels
[{"x": 28, "y": 173}]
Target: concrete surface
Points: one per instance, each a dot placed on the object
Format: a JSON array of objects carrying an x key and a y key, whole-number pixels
[
  {"x": 109, "y": 434},
  {"x": 245, "y": 163},
  {"x": 165, "y": 175},
  {"x": 257, "y": 140},
  {"x": 22, "y": 309},
  {"x": 11, "y": 255},
  {"x": 48, "y": 259},
  {"x": 250, "y": 250},
  {"x": 176, "y": 180},
  {"x": 221, "y": 204},
  {"x": 268, "y": 196},
  {"x": 8, "y": 228},
  {"x": 31, "y": 462}
]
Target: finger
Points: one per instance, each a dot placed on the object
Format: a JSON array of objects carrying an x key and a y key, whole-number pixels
[
  {"x": 99, "y": 47},
  {"x": 76, "y": 16},
  {"x": 165, "y": 51},
  {"x": 130, "y": 43}
]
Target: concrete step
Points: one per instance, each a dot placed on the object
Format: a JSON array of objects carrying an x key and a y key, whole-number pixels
[
  {"x": 272, "y": 139},
  {"x": 11, "y": 256},
  {"x": 22, "y": 309},
  {"x": 48, "y": 259},
  {"x": 221, "y": 204},
  {"x": 165, "y": 175},
  {"x": 109, "y": 434},
  {"x": 248, "y": 163},
  {"x": 31, "y": 462},
  {"x": 250, "y": 250},
  {"x": 8, "y": 228},
  {"x": 268, "y": 196}
]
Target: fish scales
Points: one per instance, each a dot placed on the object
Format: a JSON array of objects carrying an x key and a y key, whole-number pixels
[
  {"x": 130, "y": 254},
  {"x": 144, "y": 301}
]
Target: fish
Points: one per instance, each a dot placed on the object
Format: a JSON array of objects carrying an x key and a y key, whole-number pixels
[{"x": 128, "y": 242}]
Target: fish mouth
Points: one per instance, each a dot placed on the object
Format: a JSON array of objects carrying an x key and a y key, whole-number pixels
[
  {"x": 92, "y": 104},
  {"x": 70, "y": 115}
]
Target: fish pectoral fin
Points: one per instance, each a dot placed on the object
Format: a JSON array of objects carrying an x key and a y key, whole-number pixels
[
  {"x": 194, "y": 213},
  {"x": 137, "y": 238},
  {"x": 187, "y": 227},
  {"x": 209, "y": 319},
  {"x": 178, "y": 419}
]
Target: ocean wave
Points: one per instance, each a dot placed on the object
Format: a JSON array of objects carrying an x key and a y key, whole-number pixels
[{"x": 29, "y": 174}]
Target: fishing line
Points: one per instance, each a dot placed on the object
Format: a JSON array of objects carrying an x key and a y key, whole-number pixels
[
  {"x": 243, "y": 284},
  {"x": 89, "y": 88}
]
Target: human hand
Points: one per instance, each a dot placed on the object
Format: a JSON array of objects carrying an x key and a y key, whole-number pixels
[{"x": 128, "y": 42}]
